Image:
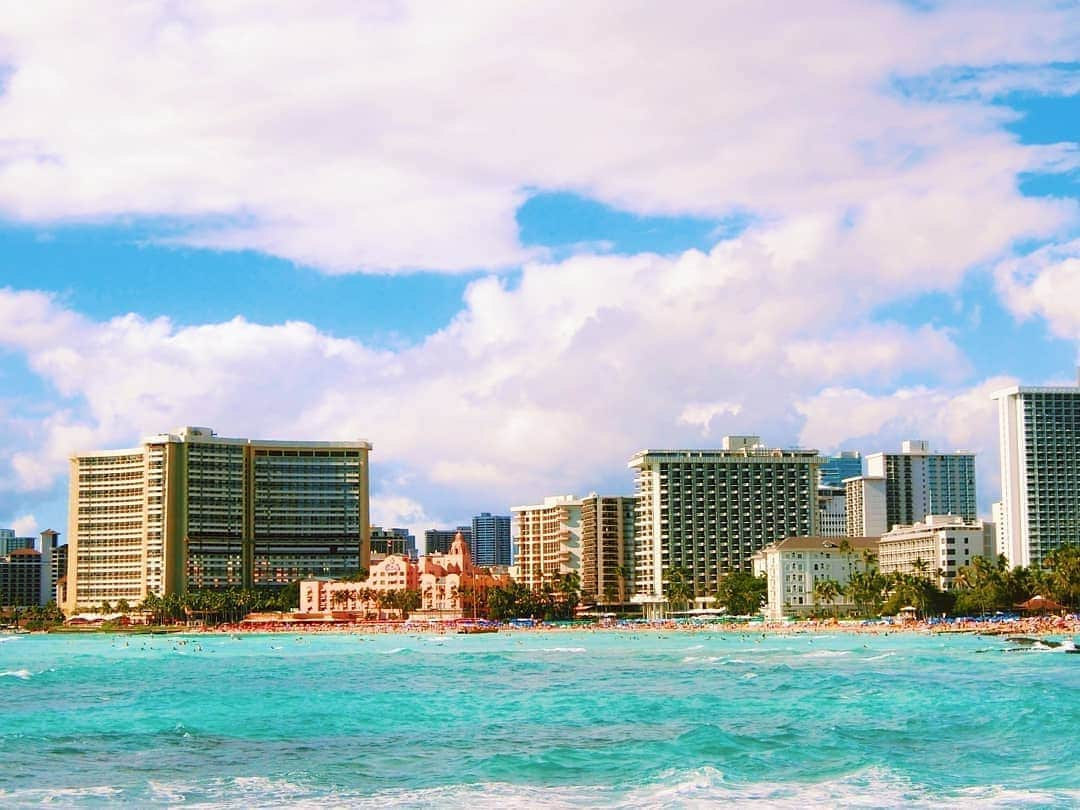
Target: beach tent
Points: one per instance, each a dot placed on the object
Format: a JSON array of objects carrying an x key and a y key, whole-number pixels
[{"x": 1040, "y": 604}]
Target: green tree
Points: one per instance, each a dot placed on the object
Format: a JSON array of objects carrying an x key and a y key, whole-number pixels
[
  {"x": 827, "y": 591},
  {"x": 678, "y": 590},
  {"x": 1062, "y": 566},
  {"x": 741, "y": 592}
]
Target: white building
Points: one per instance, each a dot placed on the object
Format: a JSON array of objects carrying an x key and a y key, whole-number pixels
[
  {"x": 939, "y": 546},
  {"x": 1039, "y": 435},
  {"x": 709, "y": 511},
  {"x": 794, "y": 566},
  {"x": 832, "y": 511},
  {"x": 865, "y": 506},
  {"x": 919, "y": 482},
  {"x": 191, "y": 509},
  {"x": 547, "y": 540}
]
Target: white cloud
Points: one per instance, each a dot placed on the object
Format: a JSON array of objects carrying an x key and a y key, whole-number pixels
[
  {"x": 405, "y": 135},
  {"x": 701, "y": 414},
  {"x": 546, "y": 386},
  {"x": 951, "y": 417},
  {"x": 1045, "y": 283},
  {"x": 25, "y": 526}
]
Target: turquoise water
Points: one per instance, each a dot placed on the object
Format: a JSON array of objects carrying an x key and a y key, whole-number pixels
[{"x": 551, "y": 720}]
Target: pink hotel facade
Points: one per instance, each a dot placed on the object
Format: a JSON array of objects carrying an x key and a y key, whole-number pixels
[{"x": 445, "y": 581}]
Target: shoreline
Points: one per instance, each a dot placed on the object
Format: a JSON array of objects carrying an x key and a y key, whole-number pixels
[{"x": 1036, "y": 627}]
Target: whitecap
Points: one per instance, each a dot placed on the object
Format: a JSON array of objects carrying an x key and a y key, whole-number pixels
[
  {"x": 564, "y": 649},
  {"x": 879, "y": 657},
  {"x": 393, "y": 651},
  {"x": 827, "y": 654},
  {"x": 21, "y": 674}
]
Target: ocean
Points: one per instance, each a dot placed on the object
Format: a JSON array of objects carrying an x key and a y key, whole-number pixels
[{"x": 574, "y": 719}]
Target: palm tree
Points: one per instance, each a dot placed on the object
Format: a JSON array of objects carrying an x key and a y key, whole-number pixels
[
  {"x": 624, "y": 573},
  {"x": 679, "y": 590},
  {"x": 827, "y": 590}
]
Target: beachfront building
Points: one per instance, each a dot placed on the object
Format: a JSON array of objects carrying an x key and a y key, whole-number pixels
[
  {"x": 864, "y": 503},
  {"x": 794, "y": 566},
  {"x": 28, "y": 575},
  {"x": 489, "y": 541},
  {"x": 832, "y": 511},
  {"x": 20, "y": 579},
  {"x": 919, "y": 482},
  {"x": 548, "y": 540},
  {"x": 438, "y": 541},
  {"x": 607, "y": 548},
  {"x": 708, "y": 512},
  {"x": 385, "y": 542},
  {"x": 451, "y": 586},
  {"x": 9, "y": 542},
  {"x": 834, "y": 470},
  {"x": 363, "y": 598},
  {"x": 191, "y": 509},
  {"x": 937, "y": 547},
  {"x": 1039, "y": 436}
]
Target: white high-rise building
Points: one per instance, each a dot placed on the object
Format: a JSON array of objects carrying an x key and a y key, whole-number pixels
[
  {"x": 919, "y": 482},
  {"x": 547, "y": 539},
  {"x": 865, "y": 506},
  {"x": 192, "y": 510},
  {"x": 1039, "y": 435},
  {"x": 707, "y": 512},
  {"x": 832, "y": 511}
]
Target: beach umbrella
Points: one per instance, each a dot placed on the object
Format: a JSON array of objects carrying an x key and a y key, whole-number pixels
[{"x": 1038, "y": 604}]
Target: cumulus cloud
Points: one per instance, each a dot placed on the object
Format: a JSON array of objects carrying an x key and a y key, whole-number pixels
[
  {"x": 399, "y": 135},
  {"x": 950, "y": 417},
  {"x": 1045, "y": 283},
  {"x": 25, "y": 526},
  {"x": 546, "y": 385}
]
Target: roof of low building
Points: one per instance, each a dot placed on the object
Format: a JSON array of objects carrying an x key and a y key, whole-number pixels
[{"x": 819, "y": 543}]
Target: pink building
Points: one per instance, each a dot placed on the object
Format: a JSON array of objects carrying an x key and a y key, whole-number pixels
[
  {"x": 451, "y": 587},
  {"x": 394, "y": 573}
]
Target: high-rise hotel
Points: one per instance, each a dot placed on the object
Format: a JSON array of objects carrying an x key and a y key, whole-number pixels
[
  {"x": 191, "y": 509},
  {"x": 1039, "y": 435},
  {"x": 709, "y": 511}
]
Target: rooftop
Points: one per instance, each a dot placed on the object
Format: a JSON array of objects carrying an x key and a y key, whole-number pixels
[{"x": 819, "y": 543}]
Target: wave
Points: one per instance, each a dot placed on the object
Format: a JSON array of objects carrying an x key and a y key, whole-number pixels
[
  {"x": 827, "y": 654},
  {"x": 21, "y": 674},
  {"x": 393, "y": 651},
  {"x": 879, "y": 657},
  {"x": 563, "y": 649},
  {"x": 698, "y": 787}
]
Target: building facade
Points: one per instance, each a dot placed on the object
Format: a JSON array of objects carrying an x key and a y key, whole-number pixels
[
  {"x": 9, "y": 542},
  {"x": 937, "y": 547},
  {"x": 548, "y": 539},
  {"x": 385, "y": 542},
  {"x": 832, "y": 511},
  {"x": 438, "y": 541},
  {"x": 490, "y": 541},
  {"x": 794, "y": 567},
  {"x": 709, "y": 511},
  {"x": 836, "y": 469},
  {"x": 361, "y": 599},
  {"x": 607, "y": 548},
  {"x": 864, "y": 504},
  {"x": 919, "y": 482},
  {"x": 194, "y": 510},
  {"x": 1039, "y": 439},
  {"x": 20, "y": 579}
]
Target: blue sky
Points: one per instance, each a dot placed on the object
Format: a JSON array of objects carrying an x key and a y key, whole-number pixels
[{"x": 511, "y": 284}]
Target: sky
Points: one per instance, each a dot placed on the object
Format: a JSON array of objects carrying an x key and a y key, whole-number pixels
[{"x": 511, "y": 244}]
